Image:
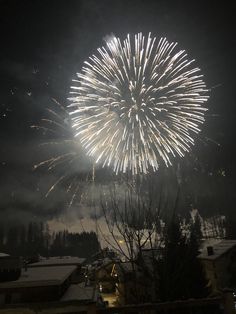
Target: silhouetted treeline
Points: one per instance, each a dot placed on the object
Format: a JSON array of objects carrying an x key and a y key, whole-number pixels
[
  {"x": 36, "y": 239},
  {"x": 75, "y": 244}
]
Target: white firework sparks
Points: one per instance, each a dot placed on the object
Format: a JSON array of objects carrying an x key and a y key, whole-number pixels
[{"x": 137, "y": 103}]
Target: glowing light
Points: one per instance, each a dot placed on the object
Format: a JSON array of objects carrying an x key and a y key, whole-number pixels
[{"x": 137, "y": 103}]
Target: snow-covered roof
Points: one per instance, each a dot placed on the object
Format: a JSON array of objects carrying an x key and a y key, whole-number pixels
[
  {"x": 218, "y": 250},
  {"x": 40, "y": 277},
  {"x": 80, "y": 292},
  {"x": 57, "y": 261},
  {"x": 3, "y": 254}
]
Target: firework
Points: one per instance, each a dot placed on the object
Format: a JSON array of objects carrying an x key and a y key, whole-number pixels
[
  {"x": 62, "y": 162},
  {"x": 137, "y": 103}
]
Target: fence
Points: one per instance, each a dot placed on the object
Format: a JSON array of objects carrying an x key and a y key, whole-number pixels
[{"x": 217, "y": 305}]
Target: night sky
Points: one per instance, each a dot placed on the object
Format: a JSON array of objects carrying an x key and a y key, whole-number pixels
[{"x": 43, "y": 45}]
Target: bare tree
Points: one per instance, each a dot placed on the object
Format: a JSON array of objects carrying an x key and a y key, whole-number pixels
[
  {"x": 134, "y": 224},
  {"x": 137, "y": 219}
]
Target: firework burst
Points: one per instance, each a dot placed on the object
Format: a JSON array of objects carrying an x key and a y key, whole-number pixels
[{"x": 137, "y": 103}]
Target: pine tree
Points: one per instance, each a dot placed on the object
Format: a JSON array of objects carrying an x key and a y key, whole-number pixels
[
  {"x": 181, "y": 273},
  {"x": 171, "y": 265},
  {"x": 196, "y": 284},
  {"x": 230, "y": 227}
]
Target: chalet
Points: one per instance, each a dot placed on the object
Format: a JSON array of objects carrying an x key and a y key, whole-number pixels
[
  {"x": 103, "y": 276},
  {"x": 133, "y": 283},
  {"x": 219, "y": 262},
  {"x": 37, "y": 285}
]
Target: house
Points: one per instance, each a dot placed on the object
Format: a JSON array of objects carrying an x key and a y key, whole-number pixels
[
  {"x": 219, "y": 262},
  {"x": 103, "y": 276},
  {"x": 37, "y": 285},
  {"x": 133, "y": 283},
  {"x": 76, "y": 299},
  {"x": 100, "y": 274},
  {"x": 48, "y": 290}
]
